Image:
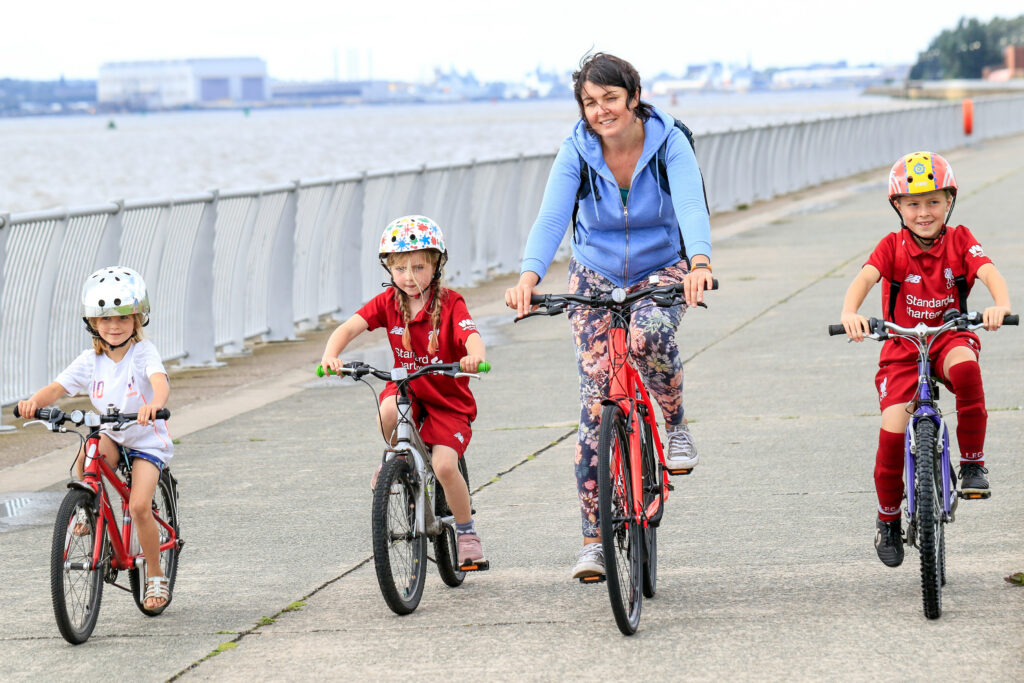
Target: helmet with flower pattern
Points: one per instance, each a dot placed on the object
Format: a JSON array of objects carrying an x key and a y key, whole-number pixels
[{"x": 412, "y": 233}]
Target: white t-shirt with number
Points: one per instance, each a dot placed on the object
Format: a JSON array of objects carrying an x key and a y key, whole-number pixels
[{"x": 126, "y": 385}]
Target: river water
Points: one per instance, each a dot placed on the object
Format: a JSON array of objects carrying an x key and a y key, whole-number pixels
[{"x": 83, "y": 160}]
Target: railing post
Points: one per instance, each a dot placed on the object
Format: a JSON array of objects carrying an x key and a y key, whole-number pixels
[
  {"x": 199, "y": 337},
  {"x": 5, "y": 230},
  {"x": 281, "y": 278}
]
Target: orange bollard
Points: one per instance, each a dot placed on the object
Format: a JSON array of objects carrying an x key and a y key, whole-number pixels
[{"x": 968, "y": 116}]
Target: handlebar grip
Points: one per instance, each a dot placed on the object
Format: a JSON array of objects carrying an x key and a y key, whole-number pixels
[
  {"x": 836, "y": 330},
  {"x": 1011, "y": 319},
  {"x": 163, "y": 414},
  {"x": 16, "y": 413},
  {"x": 714, "y": 283},
  {"x": 483, "y": 367},
  {"x": 321, "y": 371},
  {"x": 536, "y": 299}
]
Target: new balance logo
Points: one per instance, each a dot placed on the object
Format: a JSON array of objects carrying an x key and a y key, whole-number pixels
[
  {"x": 458, "y": 435},
  {"x": 397, "y": 330},
  {"x": 976, "y": 251},
  {"x": 916, "y": 279},
  {"x": 467, "y": 324}
]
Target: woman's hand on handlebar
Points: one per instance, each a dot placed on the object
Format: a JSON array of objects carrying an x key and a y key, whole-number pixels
[
  {"x": 992, "y": 317},
  {"x": 695, "y": 283},
  {"x": 856, "y": 326},
  {"x": 518, "y": 297}
]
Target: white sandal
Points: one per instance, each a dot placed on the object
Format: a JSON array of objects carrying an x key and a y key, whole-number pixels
[{"x": 157, "y": 587}]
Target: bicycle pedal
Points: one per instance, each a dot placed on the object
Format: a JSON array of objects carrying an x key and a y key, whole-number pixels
[
  {"x": 600, "y": 578},
  {"x": 975, "y": 495},
  {"x": 679, "y": 472},
  {"x": 475, "y": 566}
]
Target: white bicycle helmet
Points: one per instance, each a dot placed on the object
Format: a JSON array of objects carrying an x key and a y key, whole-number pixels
[{"x": 114, "y": 291}]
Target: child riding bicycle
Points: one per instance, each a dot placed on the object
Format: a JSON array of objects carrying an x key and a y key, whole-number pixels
[
  {"x": 427, "y": 323},
  {"x": 928, "y": 267},
  {"x": 123, "y": 370}
]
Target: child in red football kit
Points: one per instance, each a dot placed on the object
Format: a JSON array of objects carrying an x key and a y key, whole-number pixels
[
  {"x": 427, "y": 323},
  {"x": 928, "y": 268}
]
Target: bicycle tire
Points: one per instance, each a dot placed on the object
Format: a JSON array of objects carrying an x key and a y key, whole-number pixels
[
  {"x": 929, "y": 517},
  {"x": 165, "y": 504},
  {"x": 75, "y": 593},
  {"x": 446, "y": 548},
  {"x": 399, "y": 553},
  {"x": 652, "y": 485},
  {"x": 621, "y": 538}
]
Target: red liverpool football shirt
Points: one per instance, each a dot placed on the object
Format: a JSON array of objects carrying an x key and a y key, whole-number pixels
[{"x": 455, "y": 327}]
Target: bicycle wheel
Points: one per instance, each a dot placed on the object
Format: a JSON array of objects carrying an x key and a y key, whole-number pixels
[
  {"x": 446, "y": 549},
  {"x": 399, "y": 553},
  {"x": 165, "y": 505},
  {"x": 75, "y": 586},
  {"x": 621, "y": 537},
  {"x": 652, "y": 486},
  {"x": 929, "y": 518}
]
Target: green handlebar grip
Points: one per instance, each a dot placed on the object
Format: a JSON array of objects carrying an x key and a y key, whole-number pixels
[
  {"x": 483, "y": 367},
  {"x": 321, "y": 371}
]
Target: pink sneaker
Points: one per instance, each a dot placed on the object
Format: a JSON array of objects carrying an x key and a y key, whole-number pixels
[{"x": 470, "y": 550}]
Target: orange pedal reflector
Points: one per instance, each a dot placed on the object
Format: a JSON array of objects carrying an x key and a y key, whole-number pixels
[
  {"x": 475, "y": 566},
  {"x": 675, "y": 472},
  {"x": 975, "y": 495},
  {"x": 592, "y": 579}
]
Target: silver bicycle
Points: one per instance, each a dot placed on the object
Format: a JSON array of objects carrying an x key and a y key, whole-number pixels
[{"x": 408, "y": 505}]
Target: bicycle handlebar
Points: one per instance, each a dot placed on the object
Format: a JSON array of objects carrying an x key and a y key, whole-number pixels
[
  {"x": 880, "y": 328},
  {"x": 662, "y": 295},
  {"x": 359, "y": 369},
  {"x": 55, "y": 415}
]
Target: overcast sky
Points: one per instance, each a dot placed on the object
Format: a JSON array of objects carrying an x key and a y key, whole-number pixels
[{"x": 406, "y": 39}]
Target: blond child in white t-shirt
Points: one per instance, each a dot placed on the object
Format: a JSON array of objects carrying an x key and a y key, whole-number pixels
[{"x": 125, "y": 371}]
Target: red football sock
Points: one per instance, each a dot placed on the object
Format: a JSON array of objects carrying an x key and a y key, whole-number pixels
[
  {"x": 889, "y": 474},
  {"x": 971, "y": 416}
]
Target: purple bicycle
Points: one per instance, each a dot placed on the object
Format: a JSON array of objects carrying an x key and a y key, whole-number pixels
[{"x": 930, "y": 483}]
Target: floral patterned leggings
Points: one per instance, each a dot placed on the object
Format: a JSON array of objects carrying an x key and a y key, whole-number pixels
[{"x": 653, "y": 350}]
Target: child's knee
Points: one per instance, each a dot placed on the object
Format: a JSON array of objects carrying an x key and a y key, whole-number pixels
[
  {"x": 140, "y": 508},
  {"x": 445, "y": 463}
]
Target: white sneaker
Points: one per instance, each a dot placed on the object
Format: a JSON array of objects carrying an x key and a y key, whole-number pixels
[
  {"x": 681, "y": 453},
  {"x": 590, "y": 562}
]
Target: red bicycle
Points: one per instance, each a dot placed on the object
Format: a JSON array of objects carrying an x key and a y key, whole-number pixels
[
  {"x": 632, "y": 476},
  {"x": 90, "y": 545}
]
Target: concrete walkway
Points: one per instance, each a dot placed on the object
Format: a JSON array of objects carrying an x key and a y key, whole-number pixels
[{"x": 766, "y": 565}]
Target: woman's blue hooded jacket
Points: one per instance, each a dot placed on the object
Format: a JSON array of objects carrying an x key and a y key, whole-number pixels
[{"x": 625, "y": 243}]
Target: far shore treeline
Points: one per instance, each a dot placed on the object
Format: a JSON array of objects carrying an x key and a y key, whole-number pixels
[{"x": 964, "y": 51}]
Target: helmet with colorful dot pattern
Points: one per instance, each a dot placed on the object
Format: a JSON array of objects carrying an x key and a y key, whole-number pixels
[
  {"x": 919, "y": 173},
  {"x": 412, "y": 233}
]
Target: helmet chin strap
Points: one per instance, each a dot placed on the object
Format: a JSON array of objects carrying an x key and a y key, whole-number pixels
[
  {"x": 110, "y": 346},
  {"x": 927, "y": 241}
]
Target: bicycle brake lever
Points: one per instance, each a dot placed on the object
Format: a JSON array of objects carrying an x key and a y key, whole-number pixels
[{"x": 49, "y": 425}]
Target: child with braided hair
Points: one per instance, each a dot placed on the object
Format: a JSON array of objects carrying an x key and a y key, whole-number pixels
[{"x": 427, "y": 323}]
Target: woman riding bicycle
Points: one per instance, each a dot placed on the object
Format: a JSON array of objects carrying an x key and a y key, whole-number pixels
[{"x": 629, "y": 227}]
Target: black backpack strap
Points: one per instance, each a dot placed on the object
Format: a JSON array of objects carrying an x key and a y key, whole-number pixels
[
  {"x": 583, "y": 191},
  {"x": 663, "y": 178},
  {"x": 961, "y": 289},
  {"x": 896, "y": 277}
]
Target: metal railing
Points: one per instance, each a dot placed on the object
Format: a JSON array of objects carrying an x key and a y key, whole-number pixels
[{"x": 225, "y": 268}]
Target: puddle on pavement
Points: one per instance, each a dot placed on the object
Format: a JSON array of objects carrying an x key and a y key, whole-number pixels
[{"x": 20, "y": 510}]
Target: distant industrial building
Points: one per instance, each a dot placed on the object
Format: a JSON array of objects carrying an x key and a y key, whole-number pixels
[{"x": 183, "y": 82}]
